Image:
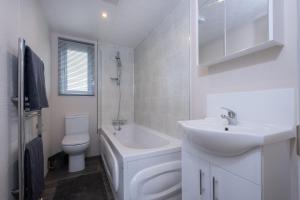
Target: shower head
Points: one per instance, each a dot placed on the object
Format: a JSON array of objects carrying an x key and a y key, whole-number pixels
[{"x": 118, "y": 59}]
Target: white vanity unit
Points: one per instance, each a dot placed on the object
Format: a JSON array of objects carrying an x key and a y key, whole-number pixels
[{"x": 250, "y": 160}]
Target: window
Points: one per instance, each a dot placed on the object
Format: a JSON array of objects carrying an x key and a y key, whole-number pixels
[{"x": 76, "y": 65}]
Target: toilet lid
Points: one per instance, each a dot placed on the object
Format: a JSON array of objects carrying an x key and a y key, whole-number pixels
[{"x": 76, "y": 139}]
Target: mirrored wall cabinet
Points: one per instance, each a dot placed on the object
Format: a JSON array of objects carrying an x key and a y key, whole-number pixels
[{"x": 228, "y": 29}]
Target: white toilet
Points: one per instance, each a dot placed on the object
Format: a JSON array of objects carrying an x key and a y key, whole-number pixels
[{"x": 76, "y": 140}]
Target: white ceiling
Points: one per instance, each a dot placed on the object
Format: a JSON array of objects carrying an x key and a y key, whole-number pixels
[{"x": 128, "y": 22}]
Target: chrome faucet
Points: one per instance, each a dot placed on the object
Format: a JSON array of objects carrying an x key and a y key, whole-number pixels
[{"x": 231, "y": 116}]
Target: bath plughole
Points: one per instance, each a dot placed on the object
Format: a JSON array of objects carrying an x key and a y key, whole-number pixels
[{"x": 149, "y": 100}]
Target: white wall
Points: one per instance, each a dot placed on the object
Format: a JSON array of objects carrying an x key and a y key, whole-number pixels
[
  {"x": 162, "y": 74},
  {"x": 17, "y": 18},
  {"x": 9, "y": 32},
  {"x": 63, "y": 105},
  {"x": 109, "y": 91}
]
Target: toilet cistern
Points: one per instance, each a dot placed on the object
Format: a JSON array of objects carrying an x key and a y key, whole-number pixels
[{"x": 230, "y": 117}]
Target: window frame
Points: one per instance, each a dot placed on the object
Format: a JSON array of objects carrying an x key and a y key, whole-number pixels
[{"x": 93, "y": 77}]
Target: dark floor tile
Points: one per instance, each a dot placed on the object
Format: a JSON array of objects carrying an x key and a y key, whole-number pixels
[
  {"x": 89, "y": 187},
  {"x": 61, "y": 177}
]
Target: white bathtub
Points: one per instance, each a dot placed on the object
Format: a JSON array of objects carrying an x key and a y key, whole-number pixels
[{"x": 141, "y": 164}]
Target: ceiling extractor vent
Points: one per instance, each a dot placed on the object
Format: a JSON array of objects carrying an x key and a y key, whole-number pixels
[{"x": 114, "y": 2}]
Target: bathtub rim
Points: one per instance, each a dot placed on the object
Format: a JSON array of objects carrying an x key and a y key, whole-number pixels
[{"x": 131, "y": 154}]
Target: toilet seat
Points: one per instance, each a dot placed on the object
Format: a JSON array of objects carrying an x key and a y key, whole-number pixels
[{"x": 74, "y": 140}]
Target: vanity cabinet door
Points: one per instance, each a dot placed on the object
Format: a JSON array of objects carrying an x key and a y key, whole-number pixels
[
  {"x": 195, "y": 178},
  {"x": 226, "y": 186}
]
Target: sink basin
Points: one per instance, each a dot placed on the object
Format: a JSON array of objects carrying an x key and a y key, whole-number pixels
[{"x": 211, "y": 135}]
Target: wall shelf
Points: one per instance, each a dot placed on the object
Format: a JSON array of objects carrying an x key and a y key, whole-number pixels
[{"x": 238, "y": 54}]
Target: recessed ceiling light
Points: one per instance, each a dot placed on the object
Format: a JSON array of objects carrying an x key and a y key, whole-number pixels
[{"x": 104, "y": 15}]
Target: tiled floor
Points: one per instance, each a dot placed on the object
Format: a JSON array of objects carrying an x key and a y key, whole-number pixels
[{"x": 93, "y": 165}]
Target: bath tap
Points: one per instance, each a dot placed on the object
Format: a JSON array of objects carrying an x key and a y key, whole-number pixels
[
  {"x": 230, "y": 117},
  {"x": 118, "y": 123}
]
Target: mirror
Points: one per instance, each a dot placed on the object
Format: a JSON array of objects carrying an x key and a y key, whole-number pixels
[
  {"x": 211, "y": 30},
  {"x": 246, "y": 24},
  {"x": 229, "y": 29}
]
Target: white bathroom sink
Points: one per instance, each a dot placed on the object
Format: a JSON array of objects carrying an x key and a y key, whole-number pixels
[{"x": 212, "y": 135}]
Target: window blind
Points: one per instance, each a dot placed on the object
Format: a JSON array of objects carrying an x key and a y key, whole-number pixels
[{"x": 76, "y": 65}]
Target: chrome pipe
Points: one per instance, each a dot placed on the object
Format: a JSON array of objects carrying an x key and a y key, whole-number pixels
[
  {"x": 21, "y": 136},
  {"x": 214, "y": 182},
  {"x": 298, "y": 140},
  {"x": 40, "y": 124},
  {"x": 32, "y": 114},
  {"x": 200, "y": 182}
]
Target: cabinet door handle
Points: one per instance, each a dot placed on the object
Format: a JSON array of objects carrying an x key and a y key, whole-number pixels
[
  {"x": 200, "y": 183},
  {"x": 214, "y": 182}
]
